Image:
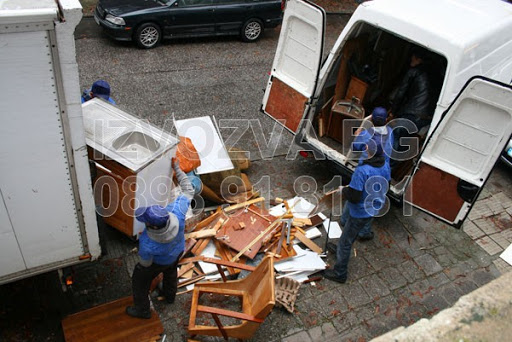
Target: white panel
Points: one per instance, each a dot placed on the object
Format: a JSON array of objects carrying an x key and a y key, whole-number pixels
[
  {"x": 11, "y": 259},
  {"x": 212, "y": 152},
  {"x": 299, "y": 49},
  {"x": 154, "y": 185},
  {"x": 34, "y": 175},
  {"x": 471, "y": 136}
]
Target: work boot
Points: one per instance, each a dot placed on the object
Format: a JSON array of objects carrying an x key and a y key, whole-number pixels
[
  {"x": 134, "y": 312},
  {"x": 331, "y": 275},
  {"x": 332, "y": 247},
  {"x": 170, "y": 299},
  {"x": 365, "y": 237}
]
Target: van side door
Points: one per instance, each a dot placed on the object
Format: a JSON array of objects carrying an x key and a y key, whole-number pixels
[
  {"x": 462, "y": 150},
  {"x": 297, "y": 62}
]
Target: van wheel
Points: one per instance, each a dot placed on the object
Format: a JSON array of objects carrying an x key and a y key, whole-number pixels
[
  {"x": 148, "y": 35},
  {"x": 252, "y": 30}
]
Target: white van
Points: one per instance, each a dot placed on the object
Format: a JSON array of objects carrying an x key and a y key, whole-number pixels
[{"x": 469, "y": 46}]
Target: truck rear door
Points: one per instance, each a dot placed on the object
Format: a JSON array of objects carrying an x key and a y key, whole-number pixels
[
  {"x": 462, "y": 151},
  {"x": 294, "y": 74}
]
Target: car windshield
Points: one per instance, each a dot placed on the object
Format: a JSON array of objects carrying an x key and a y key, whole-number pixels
[{"x": 164, "y": 2}]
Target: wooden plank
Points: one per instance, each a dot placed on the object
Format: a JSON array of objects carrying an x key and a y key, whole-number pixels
[
  {"x": 109, "y": 323},
  {"x": 228, "y": 313},
  {"x": 191, "y": 259},
  {"x": 201, "y": 234},
  {"x": 185, "y": 268},
  {"x": 200, "y": 246},
  {"x": 309, "y": 244},
  {"x": 230, "y": 264},
  {"x": 190, "y": 281},
  {"x": 244, "y": 204}
]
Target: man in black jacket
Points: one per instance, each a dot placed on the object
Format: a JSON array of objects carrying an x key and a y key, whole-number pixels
[{"x": 412, "y": 100}]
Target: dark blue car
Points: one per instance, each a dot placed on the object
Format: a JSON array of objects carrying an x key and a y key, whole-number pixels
[{"x": 148, "y": 21}]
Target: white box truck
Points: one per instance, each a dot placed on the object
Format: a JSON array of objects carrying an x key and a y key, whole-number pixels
[
  {"x": 469, "y": 47},
  {"x": 47, "y": 212}
]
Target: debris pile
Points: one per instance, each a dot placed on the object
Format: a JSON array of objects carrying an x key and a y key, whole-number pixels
[{"x": 245, "y": 232}]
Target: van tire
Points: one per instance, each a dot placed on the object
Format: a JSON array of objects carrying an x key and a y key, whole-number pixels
[
  {"x": 148, "y": 35},
  {"x": 252, "y": 30}
]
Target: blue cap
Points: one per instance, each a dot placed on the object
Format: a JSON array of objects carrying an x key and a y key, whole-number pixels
[
  {"x": 101, "y": 88},
  {"x": 154, "y": 215},
  {"x": 379, "y": 115}
]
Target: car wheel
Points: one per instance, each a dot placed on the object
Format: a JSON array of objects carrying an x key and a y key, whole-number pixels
[
  {"x": 252, "y": 30},
  {"x": 148, "y": 35}
]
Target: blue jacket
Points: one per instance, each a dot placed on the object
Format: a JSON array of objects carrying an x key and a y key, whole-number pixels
[{"x": 166, "y": 253}]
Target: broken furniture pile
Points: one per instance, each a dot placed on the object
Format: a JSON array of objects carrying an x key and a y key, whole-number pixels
[{"x": 240, "y": 232}]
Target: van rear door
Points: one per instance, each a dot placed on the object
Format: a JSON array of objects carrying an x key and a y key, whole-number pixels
[
  {"x": 296, "y": 65},
  {"x": 462, "y": 151}
]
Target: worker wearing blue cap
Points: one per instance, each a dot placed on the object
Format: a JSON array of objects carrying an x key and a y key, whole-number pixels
[
  {"x": 160, "y": 247},
  {"x": 366, "y": 196},
  {"x": 380, "y": 134},
  {"x": 100, "y": 89}
]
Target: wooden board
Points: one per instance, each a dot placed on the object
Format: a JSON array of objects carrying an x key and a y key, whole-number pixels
[
  {"x": 285, "y": 104},
  {"x": 255, "y": 222},
  {"x": 109, "y": 323}
]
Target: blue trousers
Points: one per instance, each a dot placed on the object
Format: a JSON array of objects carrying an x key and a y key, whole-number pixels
[
  {"x": 351, "y": 229},
  {"x": 367, "y": 229}
]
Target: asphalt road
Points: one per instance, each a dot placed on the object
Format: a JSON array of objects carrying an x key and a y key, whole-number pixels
[{"x": 184, "y": 78}]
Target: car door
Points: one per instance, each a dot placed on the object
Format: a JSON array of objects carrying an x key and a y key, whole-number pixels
[
  {"x": 297, "y": 62},
  {"x": 462, "y": 150},
  {"x": 230, "y": 15},
  {"x": 191, "y": 18}
]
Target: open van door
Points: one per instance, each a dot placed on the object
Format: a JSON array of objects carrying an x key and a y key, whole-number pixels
[
  {"x": 296, "y": 65},
  {"x": 462, "y": 151}
]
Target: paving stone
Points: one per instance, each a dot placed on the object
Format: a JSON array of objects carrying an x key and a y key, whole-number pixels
[
  {"x": 366, "y": 312},
  {"x": 502, "y": 266},
  {"x": 392, "y": 277},
  {"x": 489, "y": 245},
  {"x": 316, "y": 334},
  {"x": 374, "y": 286},
  {"x": 329, "y": 332},
  {"x": 345, "y": 321},
  {"x": 359, "y": 267},
  {"x": 333, "y": 303},
  {"x": 503, "y": 199},
  {"x": 310, "y": 312},
  {"x": 298, "y": 337},
  {"x": 481, "y": 276},
  {"x": 472, "y": 230},
  {"x": 428, "y": 264},
  {"x": 500, "y": 240},
  {"x": 355, "y": 335},
  {"x": 503, "y": 221},
  {"x": 380, "y": 258},
  {"x": 465, "y": 285},
  {"x": 434, "y": 302},
  {"x": 410, "y": 271},
  {"x": 509, "y": 211},
  {"x": 380, "y": 325},
  {"x": 486, "y": 225},
  {"x": 507, "y": 235},
  {"x": 438, "y": 279},
  {"x": 450, "y": 293},
  {"x": 354, "y": 294},
  {"x": 386, "y": 306}
]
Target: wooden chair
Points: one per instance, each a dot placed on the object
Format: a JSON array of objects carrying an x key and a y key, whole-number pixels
[{"x": 256, "y": 292}]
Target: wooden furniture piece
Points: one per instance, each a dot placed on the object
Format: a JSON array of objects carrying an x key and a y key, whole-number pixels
[
  {"x": 256, "y": 292},
  {"x": 109, "y": 323}
]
